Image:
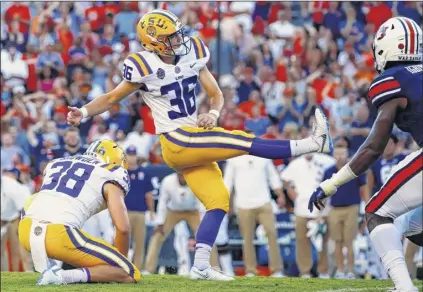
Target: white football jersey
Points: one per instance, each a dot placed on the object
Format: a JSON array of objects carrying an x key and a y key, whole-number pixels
[
  {"x": 169, "y": 90},
  {"x": 72, "y": 190}
]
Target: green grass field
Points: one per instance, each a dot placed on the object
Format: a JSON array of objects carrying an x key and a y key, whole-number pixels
[{"x": 22, "y": 282}]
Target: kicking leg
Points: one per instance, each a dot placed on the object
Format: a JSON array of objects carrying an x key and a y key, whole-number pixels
[{"x": 188, "y": 146}]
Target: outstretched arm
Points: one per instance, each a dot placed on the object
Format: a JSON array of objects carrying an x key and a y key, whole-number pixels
[
  {"x": 368, "y": 153},
  {"x": 102, "y": 103}
]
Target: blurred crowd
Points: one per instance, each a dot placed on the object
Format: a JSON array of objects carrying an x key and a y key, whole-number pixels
[{"x": 275, "y": 62}]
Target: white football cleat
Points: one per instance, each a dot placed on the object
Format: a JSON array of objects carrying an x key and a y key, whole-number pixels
[
  {"x": 51, "y": 276},
  {"x": 208, "y": 274},
  {"x": 277, "y": 275},
  {"x": 339, "y": 275},
  {"x": 321, "y": 134},
  {"x": 324, "y": 276},
  {"x": 249, "y": 275}
]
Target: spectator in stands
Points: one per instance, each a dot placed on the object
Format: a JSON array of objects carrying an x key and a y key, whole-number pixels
[
  {"x": 141, "y": 140},
  {"x": 96, "y": 17},
  {"x": 352, "y": 29},
  {"x": 227, "y": 56},
  {"x": 360, "y": 127},
  {"x": 254, "y": 100},
  {"x": 49, "y": 58},
  {"x": 257, "y": 124},
  {"x": 18, "y": 12},
  {"x": 283, "y": 28},
  {"x": 246, "y": 85},
  {"x": 13, "y": 197},
  {"x": 126, "y": 20},
  {"x": 302, "y": 176},
  {"x": 14, "y": 70},
  {"x": 251, "y": 178},
  {"x": 138, "y": 200},
  {"x": 9, "y": 149},
  {"x": 343, "y": 217},
  {"x": 118, "y": 120},
  {"x": 72, "y": 144},
  {"x": 332, "y": 18}
]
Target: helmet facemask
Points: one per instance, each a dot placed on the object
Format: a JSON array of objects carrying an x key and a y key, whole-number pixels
[{"x": 177, "y": 44}]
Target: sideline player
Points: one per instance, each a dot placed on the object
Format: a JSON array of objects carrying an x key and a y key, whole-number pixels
[
  {"x": 166, "y": 73},
  {"x": 74, "y": 189},
  {"x": 397, "y": 94}
]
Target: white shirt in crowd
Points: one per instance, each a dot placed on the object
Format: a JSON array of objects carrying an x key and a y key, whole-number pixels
[
  {"x": 251, "y": 178},
  {"x": 273, "y": 96},
  {"x": 13, "y": 197},
  {"x": 305, "y": 175},
  {"x": 282, "y": 29},
  {"x": 175, "y": 197},
  {"x": 142, "y": 142},
  {"x": 15, "y": 72}
]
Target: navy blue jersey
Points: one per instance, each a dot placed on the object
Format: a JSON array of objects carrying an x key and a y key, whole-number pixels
[
  {"x": 402, "y": 81},
  {"x": 61, "y": 152},
  {"x": 141, "y": 183},
  {"x": 382, "y": 169}
]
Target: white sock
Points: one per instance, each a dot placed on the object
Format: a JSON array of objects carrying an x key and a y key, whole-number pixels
[
  {"x": 387, "y": 243},
  {"x": 75, "y": 276},
  {"x": 226, "y": 263},
  {"x": 202, "y": 256},
  {"x": 304, "y": 146}
]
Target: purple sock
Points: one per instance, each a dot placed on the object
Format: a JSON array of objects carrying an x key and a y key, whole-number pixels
[
  {"x": 209, "y": 226},
  {"x": 271, "y": 149}
]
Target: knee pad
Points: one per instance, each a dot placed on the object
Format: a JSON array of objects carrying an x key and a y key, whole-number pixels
[
  {"x": 223, "y": 249},
  {"x": 374, "y": 220},
  {"x": 417, "y": 239}
]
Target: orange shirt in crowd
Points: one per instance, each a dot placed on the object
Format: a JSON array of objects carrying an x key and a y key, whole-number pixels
[
  {"x": 318, "y": 85},
  {"x": 247, "y": 107},
  {"x": 281, "y": 72},
  {"x": 96, "y": 17},
  {"x": 20, "y": 11},
  {"x": 319, "y": 7},
  {"x": 112, "y": 8},
  {"x": 378, "y": 14},
  {"x": 66, "y": 39},
  {"x": 147, "y": 117},
  {"x": 31, "y": 82}
]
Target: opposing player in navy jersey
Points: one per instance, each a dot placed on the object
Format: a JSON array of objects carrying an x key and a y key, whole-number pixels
[
  {"x": 382, "y": 168},
  {"x": 397, "y": 95},
  {"x": 72, "y": 145}
]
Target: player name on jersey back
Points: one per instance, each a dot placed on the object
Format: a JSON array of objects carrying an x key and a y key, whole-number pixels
[{"x": 72, "y": 190}]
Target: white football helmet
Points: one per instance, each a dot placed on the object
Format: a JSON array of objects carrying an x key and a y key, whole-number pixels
[{"x": 398, "y": 39}]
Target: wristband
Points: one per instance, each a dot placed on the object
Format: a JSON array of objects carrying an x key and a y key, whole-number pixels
[
  {"x": 343, "y": 176},
  {"x": 215, "y": 112},
  {"x": 84, "y": 112}
]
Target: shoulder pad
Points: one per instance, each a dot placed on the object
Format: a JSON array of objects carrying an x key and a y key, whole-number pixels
[
  {"x": 136, "y": 68},
  {"x": 118, "y": 175},
  {"x": 201, "y": 51},
  {"x": 384, "y": 88}
]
